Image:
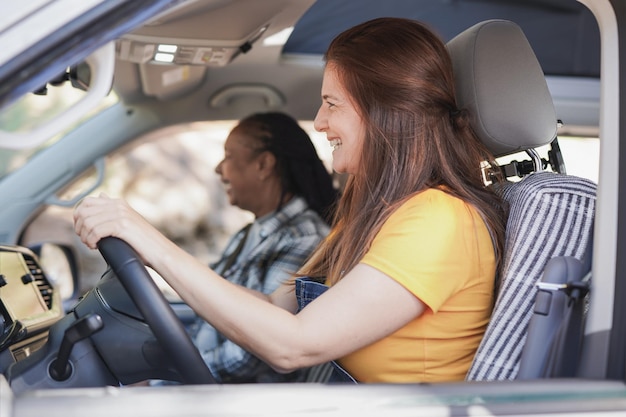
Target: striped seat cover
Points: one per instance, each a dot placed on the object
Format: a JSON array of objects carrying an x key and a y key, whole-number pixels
[{"x": 550, "y": 215}]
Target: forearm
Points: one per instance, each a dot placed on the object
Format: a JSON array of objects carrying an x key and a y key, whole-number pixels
[
  {"x": 246, "y": 317},
  {"x": 229, "y": 363}
]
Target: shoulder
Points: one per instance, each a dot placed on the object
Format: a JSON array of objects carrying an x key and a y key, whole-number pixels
[
  {"x": 306, "y": 223},
  {"x": 432, "y": 198},
  {"x": 296, "y": 220},
  {"x": 433, "y": 205}
]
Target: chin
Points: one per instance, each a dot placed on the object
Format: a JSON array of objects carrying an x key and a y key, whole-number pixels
[
  {"x": 339, "y": 167},
  {"x": 232, "y": 201}
]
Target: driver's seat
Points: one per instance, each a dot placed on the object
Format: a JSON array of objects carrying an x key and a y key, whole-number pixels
[{"x": 501, "y": 83}]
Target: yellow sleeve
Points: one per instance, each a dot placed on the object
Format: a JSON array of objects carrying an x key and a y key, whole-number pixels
[{"x": 429, "y": 246}]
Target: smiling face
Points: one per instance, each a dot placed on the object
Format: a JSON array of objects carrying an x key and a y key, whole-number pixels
[
  {"x": 339, "y": 119},
  {"x": 240, "y": 171}
]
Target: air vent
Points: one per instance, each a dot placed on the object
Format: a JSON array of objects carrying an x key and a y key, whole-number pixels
[{"x": 40, "y": 280}]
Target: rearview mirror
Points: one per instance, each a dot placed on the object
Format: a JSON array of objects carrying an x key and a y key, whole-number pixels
[{"x": 80, "y": 76}]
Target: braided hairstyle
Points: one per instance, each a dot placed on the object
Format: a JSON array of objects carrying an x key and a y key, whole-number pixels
[{"x": 299, "y": 167}]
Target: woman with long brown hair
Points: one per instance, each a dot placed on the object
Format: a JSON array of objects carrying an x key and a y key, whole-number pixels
[{"x": 402, "y": 288}]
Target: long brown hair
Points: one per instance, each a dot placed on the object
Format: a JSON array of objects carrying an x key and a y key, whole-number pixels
[{"x": 398, "y": 75}]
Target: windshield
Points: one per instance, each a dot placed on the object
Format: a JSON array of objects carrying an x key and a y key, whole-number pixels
[{"x": 33, "y": 110}]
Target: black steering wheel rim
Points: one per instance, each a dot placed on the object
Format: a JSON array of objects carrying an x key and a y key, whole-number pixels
[{"x": 156, "y": 310}]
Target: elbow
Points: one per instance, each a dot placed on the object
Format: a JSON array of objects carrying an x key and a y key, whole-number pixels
[
  {"x": 286, "y": 365},
  {"x": 289, "y": 361},
  {"x": 283, "y": 370}
]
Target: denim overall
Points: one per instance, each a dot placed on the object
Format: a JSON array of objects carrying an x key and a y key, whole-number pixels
[{"x": 307, "y": 290}]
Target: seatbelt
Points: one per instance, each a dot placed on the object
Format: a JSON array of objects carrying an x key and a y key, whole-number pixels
[{"x": 564, "y": 354}]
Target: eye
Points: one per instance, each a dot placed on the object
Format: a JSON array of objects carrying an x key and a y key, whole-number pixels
[{"x": 328, "y": 102}]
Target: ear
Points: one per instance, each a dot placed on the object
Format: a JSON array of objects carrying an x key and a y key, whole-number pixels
[{"x": 266, "y": 164}]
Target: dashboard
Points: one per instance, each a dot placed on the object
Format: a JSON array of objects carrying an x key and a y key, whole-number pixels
[{"x": 29, "y": 304}]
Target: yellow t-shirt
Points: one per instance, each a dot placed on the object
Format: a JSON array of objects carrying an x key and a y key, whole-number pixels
[{"x": 438, "y": 248}]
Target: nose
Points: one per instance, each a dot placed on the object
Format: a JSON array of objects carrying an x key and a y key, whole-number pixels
[
  {"x": 320, "y": 123},
  {"x": 218, "y": 168}
]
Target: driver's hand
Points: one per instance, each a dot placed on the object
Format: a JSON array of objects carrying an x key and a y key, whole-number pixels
[{"x": 102, "y": 216}]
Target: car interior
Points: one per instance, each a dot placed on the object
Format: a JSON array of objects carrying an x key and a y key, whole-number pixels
[
  {"x": 476, "y": 53},
  {"x": 124, "y": 330}
]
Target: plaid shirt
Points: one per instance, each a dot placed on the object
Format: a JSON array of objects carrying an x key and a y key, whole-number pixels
[{"x": 285, "y": 240}]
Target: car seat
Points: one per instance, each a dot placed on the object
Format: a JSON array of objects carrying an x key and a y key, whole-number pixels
[{"x": 501, "y": 83}]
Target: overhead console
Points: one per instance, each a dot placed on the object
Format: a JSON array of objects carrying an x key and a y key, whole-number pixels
[
  {"x": 139, "y": 50},
  {"x": 207, "y": 37},
  {"x": 172, "y": 54}
]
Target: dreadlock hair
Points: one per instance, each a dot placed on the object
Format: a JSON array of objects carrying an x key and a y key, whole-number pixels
[{"x": 299, "y": 167}]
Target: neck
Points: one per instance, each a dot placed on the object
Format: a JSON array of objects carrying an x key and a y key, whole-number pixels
[{"x": 272, "y": 202}]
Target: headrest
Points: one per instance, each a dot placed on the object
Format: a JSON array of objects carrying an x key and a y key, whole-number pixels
[{"x": 501, "y": 83}]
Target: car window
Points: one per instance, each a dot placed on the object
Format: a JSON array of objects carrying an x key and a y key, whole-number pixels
[
  {"x": 34, "y": 110},
  {"x": 169, "y": 177},
  {"x": 581, "y": 156}
]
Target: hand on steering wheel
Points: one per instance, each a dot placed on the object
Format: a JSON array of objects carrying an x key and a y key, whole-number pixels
[{"x": 156, "y": 310}]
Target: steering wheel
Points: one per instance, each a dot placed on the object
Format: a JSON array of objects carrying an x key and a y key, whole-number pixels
[{"x": 156, "y": 310}]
